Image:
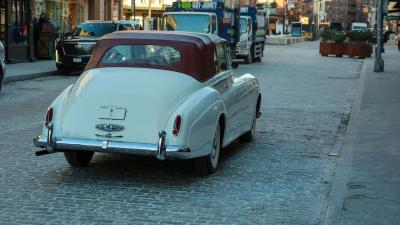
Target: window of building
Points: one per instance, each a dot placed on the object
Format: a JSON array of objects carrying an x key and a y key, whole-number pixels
[{"x": 19, "y": 26}]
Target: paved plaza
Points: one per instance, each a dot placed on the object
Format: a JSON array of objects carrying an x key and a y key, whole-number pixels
[{"x": 285, "y": 176}]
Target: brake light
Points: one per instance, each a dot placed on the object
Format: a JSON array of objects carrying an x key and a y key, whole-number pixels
[
  {"x": 49, "y": 116},
  {"x": 177, "y": 125}
]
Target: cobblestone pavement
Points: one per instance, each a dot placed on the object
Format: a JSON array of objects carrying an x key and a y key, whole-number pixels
[{"x": 282, "y": 177}]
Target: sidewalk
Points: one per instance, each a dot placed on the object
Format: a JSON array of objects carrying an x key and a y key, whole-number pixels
[
  {"x": 31, "y": 70},
  {"x": 366, "y": 187}
]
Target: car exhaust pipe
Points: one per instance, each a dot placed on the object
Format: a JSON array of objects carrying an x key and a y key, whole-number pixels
[{"x": 161, "y": 149}]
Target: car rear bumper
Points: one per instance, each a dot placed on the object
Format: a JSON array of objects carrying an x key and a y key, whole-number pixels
[{"x": 132, "y": 148}]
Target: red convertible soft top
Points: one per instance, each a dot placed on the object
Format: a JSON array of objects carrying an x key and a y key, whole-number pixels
[{"x": 197, "y": 50}]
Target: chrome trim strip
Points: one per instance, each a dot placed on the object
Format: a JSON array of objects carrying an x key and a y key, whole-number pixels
[{"x": 133, "y": 148}]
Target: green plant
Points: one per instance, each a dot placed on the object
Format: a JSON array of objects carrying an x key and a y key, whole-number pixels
[
  {"x": 340, "y": 37},
  {"x": 360, "y": 36},
  {"x": 273, "y": 4},
  {"x": 327, "y": 34}
]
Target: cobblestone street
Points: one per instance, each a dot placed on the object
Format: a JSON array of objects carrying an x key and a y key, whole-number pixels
[{"x": 283, "y": 177}]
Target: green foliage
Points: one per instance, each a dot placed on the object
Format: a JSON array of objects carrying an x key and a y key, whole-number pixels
[
  {"x": 327, "y": 34},
  {"x": 273, "y": 4},
  {"x": 340, "y": 37},
  {"x": 360, "y": 36}
]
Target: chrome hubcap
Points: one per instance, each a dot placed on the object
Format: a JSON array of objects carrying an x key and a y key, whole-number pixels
[{"x": 216, "y": 147}]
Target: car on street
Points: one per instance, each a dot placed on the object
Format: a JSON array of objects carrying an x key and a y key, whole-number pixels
[
  {"x": 2, "y": 64},
  {"x": 170, "y": 95},
  {"x": 73, "y": 50}
]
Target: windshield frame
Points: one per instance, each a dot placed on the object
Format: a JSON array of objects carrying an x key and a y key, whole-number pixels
[{"x": 211, "y": 22}]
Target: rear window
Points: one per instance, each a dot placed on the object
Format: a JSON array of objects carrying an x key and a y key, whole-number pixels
[{"x": 142, "y": 54}]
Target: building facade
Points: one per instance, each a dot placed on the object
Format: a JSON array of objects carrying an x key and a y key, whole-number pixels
[
  {"x": 21, "y": 20},
  {"x": 145, "y": 9},
  {"x": 337, "y": 11}
]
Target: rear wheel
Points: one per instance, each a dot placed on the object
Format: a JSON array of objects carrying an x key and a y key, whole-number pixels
[
  {"x": 1, "y": 79},
  {"x": 248, "y": 59},
  {"x": 249, "y": 135},
  {"x": 209, "y": 164},
  {"x": 78, "y": 158},
  {"x": 259, "y": 58}
]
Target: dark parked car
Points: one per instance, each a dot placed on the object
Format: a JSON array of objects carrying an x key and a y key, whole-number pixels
[{"x": 73, "y": 50}]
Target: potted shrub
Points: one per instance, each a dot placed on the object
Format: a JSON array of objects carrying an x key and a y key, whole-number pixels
[
  {"x": 359, "y": 44},
  {"x": 338, "y": 47},
  {"x": 327, "y": 41}
]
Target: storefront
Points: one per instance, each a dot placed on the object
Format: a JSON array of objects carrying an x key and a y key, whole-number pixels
[
  {"x": 20, "y": 27},
  {"x": 52, "y": 18},
  {"x": 65, "y": 14},
  {"x": 15, "y": 30}
]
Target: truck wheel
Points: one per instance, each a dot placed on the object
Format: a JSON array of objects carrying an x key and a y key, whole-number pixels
[
  {"x": 209, "y": 164},
  {"x": 78, "y": 158},
  {"x": 248, "y": 59}
]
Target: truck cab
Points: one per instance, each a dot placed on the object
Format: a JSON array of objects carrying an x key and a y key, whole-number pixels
[
  {"x": 243, "y": 48},
  {"x": 204, "y": 17},
  {"x": 200, "y": 22},
  {"x": 252, "y": 35}
]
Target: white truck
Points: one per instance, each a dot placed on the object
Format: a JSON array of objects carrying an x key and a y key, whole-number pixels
[
  {"x": 204, "y": 17},
  {"x": 252, "y": 35}
]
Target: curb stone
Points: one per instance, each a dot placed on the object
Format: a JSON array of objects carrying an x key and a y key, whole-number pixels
[
  {"x": 16, "y": 78},
  {"x": 338, "y": 192}
]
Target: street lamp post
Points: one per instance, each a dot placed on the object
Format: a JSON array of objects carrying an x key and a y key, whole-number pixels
[
  {"x": 133, "y": 9},
  {"x": 285, "y": 23},
  {"x": 378, "y": 66},
  {"x": 149, "y": 11},
  {"x": 319, "y": 2}
]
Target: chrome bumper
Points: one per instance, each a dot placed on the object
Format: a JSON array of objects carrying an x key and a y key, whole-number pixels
[{"x": 161, "y": 151}]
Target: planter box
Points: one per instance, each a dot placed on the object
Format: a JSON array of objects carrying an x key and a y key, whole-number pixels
[
  {"x": 352, "y": 49},
  {"x": 338, "y": 49},
  {"x": 359, "y": 49},
  {"x": 328, "y": 48}
]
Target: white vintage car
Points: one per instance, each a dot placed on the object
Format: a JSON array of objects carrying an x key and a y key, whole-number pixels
[{"x": 162, "y": 94}]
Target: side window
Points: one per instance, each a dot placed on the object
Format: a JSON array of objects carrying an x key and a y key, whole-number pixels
[
  {"x": 124, "y": 26},
  {"x": 221, "y": 62}
]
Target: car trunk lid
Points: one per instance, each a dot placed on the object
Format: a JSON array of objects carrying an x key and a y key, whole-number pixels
[{"x": 124, "y": 104}]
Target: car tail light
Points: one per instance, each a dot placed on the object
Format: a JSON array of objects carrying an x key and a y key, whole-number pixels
[
  {"x": 49, "y": 116},
  {"x": 177, "y": 125}
]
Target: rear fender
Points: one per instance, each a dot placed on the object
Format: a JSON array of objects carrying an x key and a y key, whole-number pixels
[
  {"x": 200, "y": 114},
  {"x": 57, "y": 112}
]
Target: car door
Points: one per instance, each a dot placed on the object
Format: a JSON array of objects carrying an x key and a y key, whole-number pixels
[{"x": 224, "y": 84}]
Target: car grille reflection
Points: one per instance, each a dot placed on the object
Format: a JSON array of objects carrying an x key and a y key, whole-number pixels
[{"x": 78, "y": 49}]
